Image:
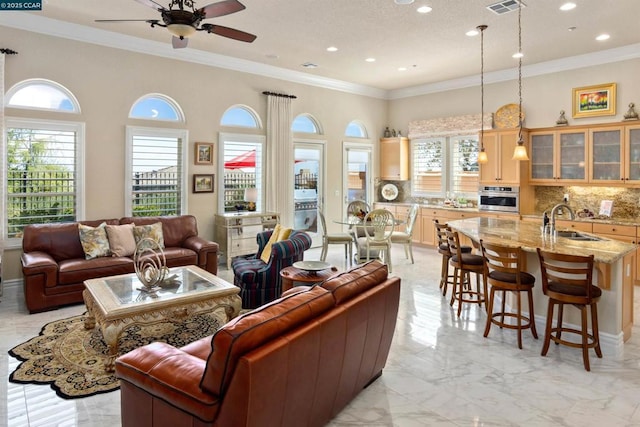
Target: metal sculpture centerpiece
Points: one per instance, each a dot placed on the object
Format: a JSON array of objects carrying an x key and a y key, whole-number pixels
[{"x": 150, "y": 265}]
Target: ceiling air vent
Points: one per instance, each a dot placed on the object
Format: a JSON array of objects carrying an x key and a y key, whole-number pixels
[
  {"x": 310, "y": 65},
  {"x": 505, "y": 6}
]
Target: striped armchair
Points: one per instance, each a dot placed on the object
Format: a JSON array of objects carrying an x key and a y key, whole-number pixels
[{"x": 261, "y": 283}]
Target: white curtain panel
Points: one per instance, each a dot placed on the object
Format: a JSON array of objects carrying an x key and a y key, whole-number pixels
[{"x": 279, "y": 159}]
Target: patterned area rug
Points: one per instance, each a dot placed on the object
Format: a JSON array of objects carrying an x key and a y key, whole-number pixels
[{"x": 71, "y": 358}]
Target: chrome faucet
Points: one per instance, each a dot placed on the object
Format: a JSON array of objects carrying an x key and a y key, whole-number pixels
[{"x": 552, "y": 222}]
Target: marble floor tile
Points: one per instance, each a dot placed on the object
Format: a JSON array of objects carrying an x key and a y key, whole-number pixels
[{"x": 441, "y": 370}]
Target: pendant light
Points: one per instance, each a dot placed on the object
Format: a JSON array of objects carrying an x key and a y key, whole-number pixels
[
  {"x": 482, "y": 155},
  {"x": 520, "y": 152}
]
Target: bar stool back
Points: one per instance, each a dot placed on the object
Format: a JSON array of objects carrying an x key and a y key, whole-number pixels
[
  {"x": 504, "y": 271},
  {"x": 567, "y": 279},
  {"x": 464, "y": 264},
  {"x": 443, "y": 249}
]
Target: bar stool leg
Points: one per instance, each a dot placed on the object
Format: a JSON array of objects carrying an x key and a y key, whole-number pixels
[
  {"x": 519, "y": 321},
  {"x": 596, "y": 332},
  {"x": 532, "y": 319},
  {"x": 487, "y": 326},
  {"x": 547, "y": 331},
  {"x": 560, "y": 320}
]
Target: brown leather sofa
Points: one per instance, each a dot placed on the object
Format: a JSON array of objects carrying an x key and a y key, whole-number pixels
[
  {"x": 297, "y": 361},
  {"x": 55, "y": 268}
]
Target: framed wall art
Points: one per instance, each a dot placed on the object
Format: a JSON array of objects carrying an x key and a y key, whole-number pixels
[
  {"x": 204, "y": 153},
  {"x": 202, "y": 183},
  {"x": 592, "y": 101}
]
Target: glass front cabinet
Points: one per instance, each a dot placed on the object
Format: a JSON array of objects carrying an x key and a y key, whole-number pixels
[
  {"x": 607, "y": 154},
  {"x": 558, "y": 156}
]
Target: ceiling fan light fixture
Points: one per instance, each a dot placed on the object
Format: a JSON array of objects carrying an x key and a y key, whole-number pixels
[{"x": 181, "y": 30}]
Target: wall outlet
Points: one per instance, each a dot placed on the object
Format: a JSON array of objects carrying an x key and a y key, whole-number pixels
[{"x": 566, "y": 198}]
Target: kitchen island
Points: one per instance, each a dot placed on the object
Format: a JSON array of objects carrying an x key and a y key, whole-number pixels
[{"x": 614, "y": 273}]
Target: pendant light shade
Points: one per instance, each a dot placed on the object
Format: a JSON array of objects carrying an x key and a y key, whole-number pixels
[
  {"x": 520, "y": 152},
  {"x": 482, "y": 155}
]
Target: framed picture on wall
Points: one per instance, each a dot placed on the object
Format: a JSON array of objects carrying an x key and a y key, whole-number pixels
[
  {"x": 598, "y": 100},
  {"x": 202, "y": 183},
  {"x": 204, "y": 153}
]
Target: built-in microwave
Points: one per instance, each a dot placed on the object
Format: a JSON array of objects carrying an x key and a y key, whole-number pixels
[{"x": 501, "y": 199}]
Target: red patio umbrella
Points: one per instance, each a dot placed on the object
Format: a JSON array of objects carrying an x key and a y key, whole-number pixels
[{"x": 244, "y": 160}]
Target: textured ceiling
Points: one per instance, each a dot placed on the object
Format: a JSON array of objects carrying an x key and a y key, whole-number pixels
[{"x": 432, "y": 46}]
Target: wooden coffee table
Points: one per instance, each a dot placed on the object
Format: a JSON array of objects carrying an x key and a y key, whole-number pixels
[
  {"x": 292, "y": 274},
  {"x": 114, "y": 303}
]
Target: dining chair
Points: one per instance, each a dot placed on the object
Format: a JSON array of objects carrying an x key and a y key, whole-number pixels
[
  {"x": 504, "y": 271},
  {"x": 567, "y": 280},
  {"x": 345, "y": 239},
  {"x": 406, "y": 237},
  {"x": 378, "y": 226},
  {"x": 358, "y": 208}
]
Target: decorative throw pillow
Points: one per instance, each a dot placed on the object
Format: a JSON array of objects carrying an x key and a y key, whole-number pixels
[
  {"x": 121, "y": 240},
  {"x": 266, "y": 251},
  {"x": 284, "y": 234},
  {"x": 151, "y": 231},
  {"x": 94, "y": 241}
]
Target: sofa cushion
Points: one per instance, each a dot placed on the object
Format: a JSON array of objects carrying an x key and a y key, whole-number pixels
[
  {"x": 78, "y": 270},
  {"x": 94, "y": 241},
  {"x": 251, "y": 330},
  {"x": 150, "y": 231},
  {"x": 347, "y": 285},
  {"x": 175, "y": 229},
  {"x": 121, "y": 240}
]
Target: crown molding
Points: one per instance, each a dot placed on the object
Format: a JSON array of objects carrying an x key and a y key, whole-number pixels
[{"x": 52, "y": 27}]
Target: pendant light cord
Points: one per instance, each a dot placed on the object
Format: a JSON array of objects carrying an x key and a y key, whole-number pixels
[
  {"x": 520, "y": 141},
  {"x": 482, "y": 28}
]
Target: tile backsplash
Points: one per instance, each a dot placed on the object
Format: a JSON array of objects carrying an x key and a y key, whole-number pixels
[{"x": 626, "y": 201}]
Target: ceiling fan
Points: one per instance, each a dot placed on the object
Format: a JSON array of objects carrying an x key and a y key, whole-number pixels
[{"x": 182, "y": 19}]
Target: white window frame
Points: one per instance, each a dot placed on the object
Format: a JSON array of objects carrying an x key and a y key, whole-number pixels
[
  {"x": 21, "y": 123},
  {"x": 260, "y": 179},
  {"x": 131, "y": 132}
]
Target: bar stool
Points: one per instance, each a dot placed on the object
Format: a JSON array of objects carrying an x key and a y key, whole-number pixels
[
  {"x": 464, "y": 264},
  {"x": 443, "y": 249},
  {"x": 504, "y": 272},
  {"x": 567, "y": 279}
]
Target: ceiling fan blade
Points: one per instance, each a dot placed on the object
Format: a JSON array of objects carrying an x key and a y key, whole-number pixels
[
  {"x": 231, "y": 33},
  {"x": 220, "y": 8},
  {"x": 127, "y": 20},
  {"x": 179, "y": 43},
  {"x": 152, "y": 4}
]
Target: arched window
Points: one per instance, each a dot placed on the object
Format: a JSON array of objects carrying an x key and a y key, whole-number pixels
[
  {"x": 241, "y": 116},
  {"x": 41, "y": 94},
  {"x": 155, "y": 106},
  {"x": 356, "y": 129},
  {"x": 305, "y": 123}
]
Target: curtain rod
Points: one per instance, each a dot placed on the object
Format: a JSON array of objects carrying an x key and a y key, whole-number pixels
[
  {"x": 8, "y": 51},
  {"x": 283, "y": 95}
]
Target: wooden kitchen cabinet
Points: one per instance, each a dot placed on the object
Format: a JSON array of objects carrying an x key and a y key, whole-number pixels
[
  {"x": 625, "y": 233},
  {"x": 394, "y": 159},
  {"x": 558, "y": 156},
  {"x": 501, "y": 169},
  {"x": 607, "y": 161}
]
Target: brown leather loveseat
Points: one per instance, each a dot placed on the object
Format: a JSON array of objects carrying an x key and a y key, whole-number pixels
[
  {"x": 55, "y": 268},
  {"x": 297, "y": 361}
]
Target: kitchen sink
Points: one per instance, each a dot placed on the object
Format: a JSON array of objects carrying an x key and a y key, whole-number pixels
[{"x": 574, "y": 235}]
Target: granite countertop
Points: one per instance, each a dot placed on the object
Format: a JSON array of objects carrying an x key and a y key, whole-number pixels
[
  {"x": 616, "y": 221},
  {"x": 528, "y": 235}
]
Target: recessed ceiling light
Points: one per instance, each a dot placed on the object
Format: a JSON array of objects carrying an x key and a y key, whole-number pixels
[
  {"x": 272, "y": 56},
  {"x": 403, "y": 1},
  {"x": 603, "y": 37},
  {"x": 402, "y": 69},
  {"x": 568, "y": 6},
  {"x": 332, "y": 49},
  {"x": 424, "y": 9},
  {"x": 370, "y": 59},
  {"x": 309, "y": 65},
  {"x": 472, "y": 33},
  {"x": 572, "y": 28},
  {"x": 517, "y": 55}
]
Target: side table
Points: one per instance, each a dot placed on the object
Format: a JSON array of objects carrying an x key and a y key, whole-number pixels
[{"x": 293, "y": 274}]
